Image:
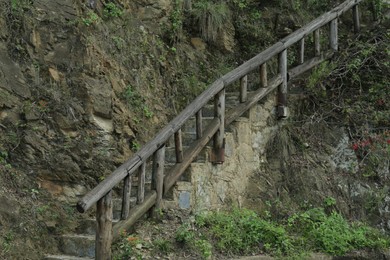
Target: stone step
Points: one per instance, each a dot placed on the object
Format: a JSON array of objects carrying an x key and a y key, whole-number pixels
[
  {"x": 78, "y": 245},
  {"x": 88, "y": 226},
  {"x": 65, "y": 257}
]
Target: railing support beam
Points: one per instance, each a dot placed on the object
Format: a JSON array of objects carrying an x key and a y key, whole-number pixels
[
  {"x": 282, "y": 110},
  {"x": 356, "y": 21},
  {"x": 218, "y": 155},
  {"x": 104, "y": 227},
  {"x": 141, "y": 183},
  {"x": 158, "y": 178},
  {"x": 243, "y": 89},
  {"x": 126, "y": 197},
  {"x": 317, "y": 43},
  {"x": 179, "y": 146},
  {"x": 301, "y": 51},
  {"x": 333, "y": 35}
]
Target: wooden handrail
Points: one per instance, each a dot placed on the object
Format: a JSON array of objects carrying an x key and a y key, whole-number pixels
[{"x": 161, "y": 183}]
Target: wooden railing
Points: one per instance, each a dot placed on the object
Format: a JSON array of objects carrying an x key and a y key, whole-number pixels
[{"x": 162, "y": 182}]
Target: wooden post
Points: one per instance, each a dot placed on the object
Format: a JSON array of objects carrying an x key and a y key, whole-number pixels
[
  {"x": 104, "y": 227},
  {"x": 179, "y": 146},
  {"x": 158, "y": 178},
  {"x": 263, "y": 75},
  {"x": 282, "y": 89},
  {"x": 218, "y": 155},
  {"x": 356, "y": 21},
  {"x": 141, "y": 183},
  {"x": 126, "y": 197},
  {"x": 333, "y": 35},
  {"x": 199, "y": 126},
  {"x": 317, "y": 43},
  {"x": 301, "y": 58},
  {"x": 243, "y": 88}
]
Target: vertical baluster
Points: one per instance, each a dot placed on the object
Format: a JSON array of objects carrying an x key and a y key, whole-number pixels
[
  {"x": 179, "y": 146},
  {"x": 104, "y": 227},
  {"x": 333, "y": 35},
  {"x": 219, "y": 112},
  {"x": 243, "y": 89},
  {"x": 282, "y": 89},
  {"x": 141, "y": 183},
  {"x": 356, "y": 21},
  {"x": 199, "y": 124},
  {"x": 126, "y": 197},
  {"x": 301, "y": 58},
  {"x": 317, "y": 43},
  {"x": 263, "y": 75},
  {"x": 158, "y": 178}
]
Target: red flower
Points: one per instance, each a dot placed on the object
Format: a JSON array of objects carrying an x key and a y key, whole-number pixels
[
  {"x": 355, "y": 147},
  {"x": 388, "y": 141}
]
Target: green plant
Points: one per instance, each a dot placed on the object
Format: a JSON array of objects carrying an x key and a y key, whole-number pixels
[
  {"x": 210, "y": 18},
  {"x": 329, "y": 202},
  {"x": 135, "y": 146},
  {"x": 147, "y": 112},
  {"x": 91, "y": 18},
  {"x": 111, "y": 10},
  {"x": 127, "y": 248},
  {"x": 184, "y": 233},
  {"x": 204, "y": 247},
  {"x": 7, "y": 242},
  {"x": 163, "y": 245},
  {"x": 118, "y": 41},
  {"x": 241, "y": 231}
]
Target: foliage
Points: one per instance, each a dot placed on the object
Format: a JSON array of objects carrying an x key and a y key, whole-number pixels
[
  {"x": 137, "y": 101},
  {"x": 242, "y": 231},
  {"x": 129, "y": 247},
  {"x": 176, "y": 18},
  {"x": 91, "y": 18},
  {"x": 353, "y": 89},
  {"x": 163, "y": 245},
  {"x": 333, "y": 234},
  {"x": 111, "y": 10},
  {"x": 210, "y": 18}
]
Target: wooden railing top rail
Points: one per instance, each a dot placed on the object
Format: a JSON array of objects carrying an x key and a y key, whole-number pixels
[{"x": 151, "y": 147}]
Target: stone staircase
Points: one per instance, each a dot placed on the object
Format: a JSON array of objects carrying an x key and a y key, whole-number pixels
[{"x": 80, "y": 244}]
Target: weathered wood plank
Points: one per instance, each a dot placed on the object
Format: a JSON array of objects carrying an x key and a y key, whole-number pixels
[
  {"x": 263, "y": 75},
  {"x": 199, "y": 124},
  {"x": 301, "y": 51},
  {"x": 179, "y": 146},
  {"x": 243, "y": 88},
  {"x": 104, "y": 228},
  {"x": 282, "y": 89},
  {"x": 356, "y": 18},
  {"x": 219, "y": 112},
  {"x": 158, "y": 177},
  {"x": 317, "y": 43},
  {"x": 333, "y": 35},
  {"x": 126, "y": 197},
  {"x": 141, "y": 183},
  {"x": 135, "y": 213},
  {"x": 190, "y": 154}
]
